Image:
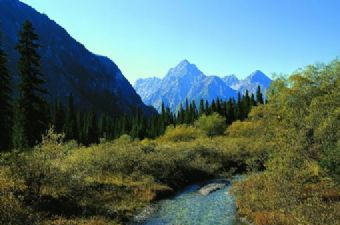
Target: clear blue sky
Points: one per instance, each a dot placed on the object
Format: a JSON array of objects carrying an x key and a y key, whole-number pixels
[{"x": 147, "y": 37}]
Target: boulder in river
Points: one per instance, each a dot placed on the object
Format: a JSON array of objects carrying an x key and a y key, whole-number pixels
[{"x": 207, "y": 189}]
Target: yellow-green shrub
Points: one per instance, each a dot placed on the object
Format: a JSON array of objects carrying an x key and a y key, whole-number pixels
[
  {"x": 180, "y": 133},
  {"x": 211, "y": 125}
]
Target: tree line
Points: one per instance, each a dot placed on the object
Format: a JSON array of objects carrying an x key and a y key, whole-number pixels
[
  {"x": 26, "y": 117},
  {"x": 89, "y": 127}
]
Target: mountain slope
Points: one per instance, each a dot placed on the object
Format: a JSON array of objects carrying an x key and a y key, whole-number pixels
[
  {"x": 147, "y": 86},
  {"x": 230, "y": 80},
  {"x": 181, "y": 82},
  {"x": 251, "y": 82},
  {"x": 95, "y": 81}
]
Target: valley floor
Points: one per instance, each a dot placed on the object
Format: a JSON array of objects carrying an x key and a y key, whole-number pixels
[{"x": 289, "y": 148}]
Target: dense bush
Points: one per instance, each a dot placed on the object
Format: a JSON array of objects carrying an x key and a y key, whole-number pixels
[
  {"x": 12, "y": 209},
  {"x": 300, "y": 129},
  {"x": 211, "y": 125},
  {"x": 181, "y": 133}
]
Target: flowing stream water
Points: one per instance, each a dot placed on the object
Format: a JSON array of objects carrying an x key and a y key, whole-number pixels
[{"x": 189, "y": 207}]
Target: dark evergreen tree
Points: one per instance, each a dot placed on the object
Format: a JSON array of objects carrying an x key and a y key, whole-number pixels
[
  {"x": 80, "y": 125},
  {"x": 92, "y": 129},
  {"x": 5, "y": 104},
  {"x": 194, "y": 113},
  {"x": 71, "y": 125},
  {"x": 230, "y": 111},
  {"x": 201, "y": 109},
  {"x": 181, "y": 116},
  {"x": 31, "y": 111},
  {"x": 187, "y": 112},
  {"x": 123, "y": 125},
  {"x": 239, "y": 108},
  {"x": 213, "y": 106},
  {"x": 246, "y": 104},
  {"x": 164, "y": 118},
  {"x": 259, "y": 96},
  {"x": 59, "y": 117},
  {"x": 218, "y": 106},
  {"x": 106, "y": 127},
  {"x": 253, "y": 101},
  {"x": 207, "y": 108},
  {"x": 163, "y": 109},
  {"x": 169, "y": 117},
  {"x": 110, "y": 130},
  {"x": 138, "y": 129}
]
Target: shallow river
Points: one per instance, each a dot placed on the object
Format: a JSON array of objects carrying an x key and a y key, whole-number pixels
[{"x": 191, "y": 208}]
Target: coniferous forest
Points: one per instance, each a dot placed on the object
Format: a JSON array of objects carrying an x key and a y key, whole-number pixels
[{"x": 63, "y": 165}]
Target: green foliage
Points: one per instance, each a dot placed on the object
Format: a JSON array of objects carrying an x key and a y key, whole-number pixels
[
  {"x": 125, "y": 139},
  {"x": 39, "y": 167},
  {"x": 12, "y": 209},
  {"x": 211, "y": 125}
]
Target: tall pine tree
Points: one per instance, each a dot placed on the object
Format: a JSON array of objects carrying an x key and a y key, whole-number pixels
[
  {"x": 31, "y": 111},
  {"x": 246, "y": 104},
  {"x": 71, "y": 125},
  {"x": 201, "y": 108},
  {"x": 59, "y": 117},
  {"x": 5, "y": 104},
  {"x": 92, "y": 129},
  {"x": 230, "y": 111},
  {"x": 253, "y": 101},
  {"x": 187, "y": 112},
  {"x": 207, "y": 108},
  {"x": 259, "y": 96},
  {"x": 239, "y": 111}
]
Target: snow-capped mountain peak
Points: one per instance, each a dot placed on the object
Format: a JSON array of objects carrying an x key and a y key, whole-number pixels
[
  {"x": 184, "y": 69},
  {"x": 259, "y": 77}
]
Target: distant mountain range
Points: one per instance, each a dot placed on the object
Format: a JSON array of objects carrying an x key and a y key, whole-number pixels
[
  {"x": 250, "y": 83},
  {"x": 187, "y": 81},
  {"x": 95, "y": 81}
]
